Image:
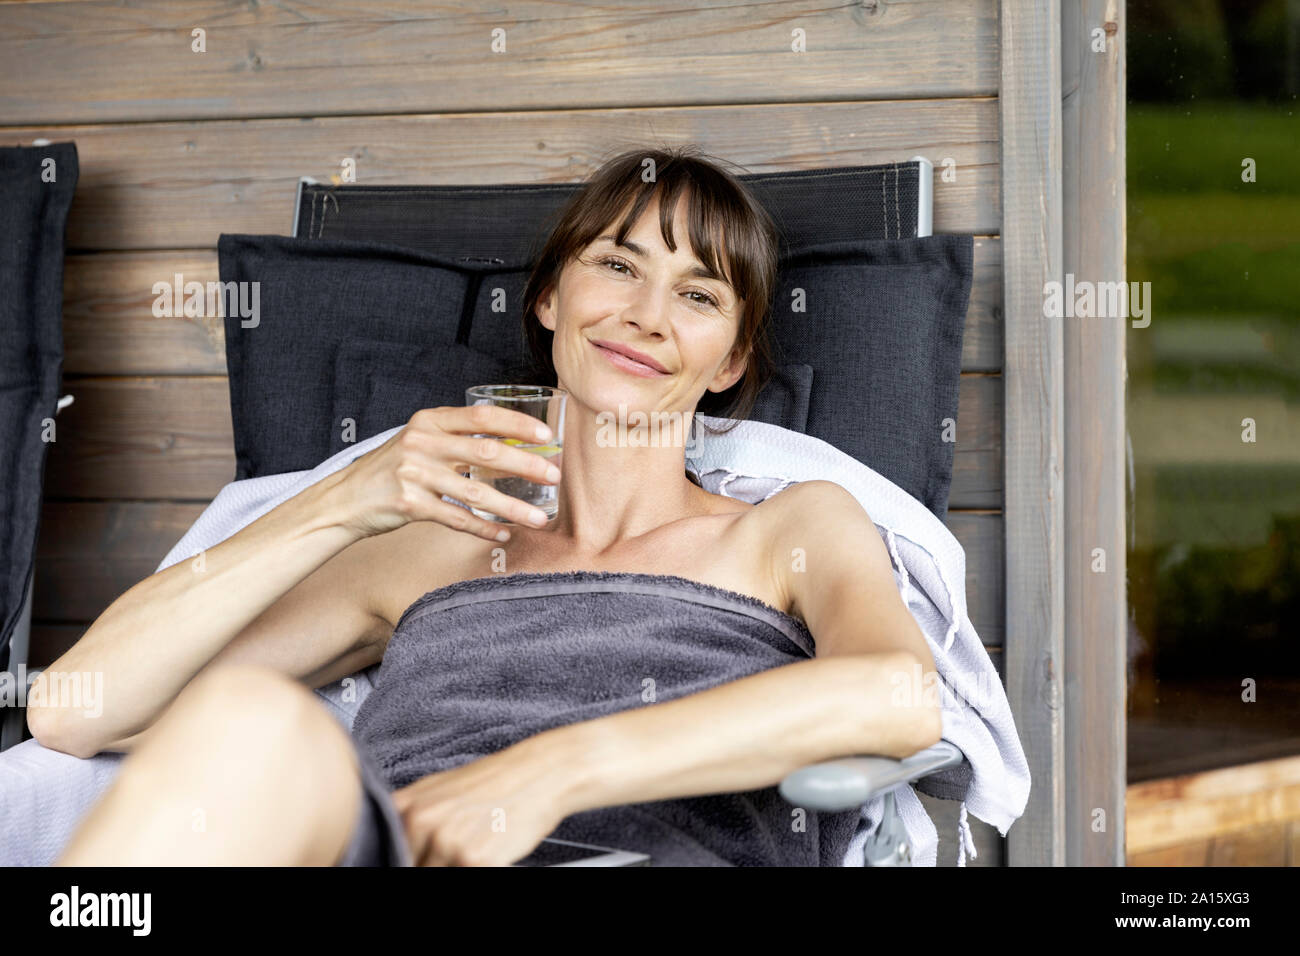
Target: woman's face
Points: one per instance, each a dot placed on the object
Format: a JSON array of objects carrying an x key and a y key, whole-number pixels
[{"x": 661, "y": 304}]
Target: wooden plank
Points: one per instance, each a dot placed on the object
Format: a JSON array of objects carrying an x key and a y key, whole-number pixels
[
  {"x": 109, "y": 327},
  {"x": 108, "y": 323},
  {"x": 1031, "y": 255},
  {"x": 51, "y": 641},
  {"x": 1096, "y": 608},
  {"x": 980, "y": 535},
  {"x": 92, "y": 552},
  {"x": 982, "y": 345},
  {"x": 990, "y": 846},
  {"x": 1211, "y": 804},
  {"x": 142, "y": 438},
  {"x": 1195, "y": 853},
  {"x": 180, "y": 185},
  {"x": 172, "y": 438},
  {"x": 65, "y": 62},
  {"x": 1184, "y": 752},
  {"x": 1264, "y": 845}
]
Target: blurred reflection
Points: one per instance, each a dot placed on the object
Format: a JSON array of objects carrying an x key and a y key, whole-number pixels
[{"x": 1213, "y": 187}]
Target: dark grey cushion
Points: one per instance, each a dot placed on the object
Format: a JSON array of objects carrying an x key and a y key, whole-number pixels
[
  {"x": 378, "y": 385},
  {"x": 312, "y": 296},
  {"x": 882, "y": 326},
  {"x": 785, "y": 399}
]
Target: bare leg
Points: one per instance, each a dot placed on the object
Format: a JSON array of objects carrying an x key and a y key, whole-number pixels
[{"x": 245, "y": 767}]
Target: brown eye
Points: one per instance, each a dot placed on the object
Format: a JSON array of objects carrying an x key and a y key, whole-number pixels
[{"x": 620, "y": 262}]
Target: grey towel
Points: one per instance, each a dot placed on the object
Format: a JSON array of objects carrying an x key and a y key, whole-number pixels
[{"x": 484, "y": 663}]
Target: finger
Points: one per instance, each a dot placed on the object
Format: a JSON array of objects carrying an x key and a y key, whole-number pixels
[
  {"x": 417, "y": 839},
  {"x": 461, "y": 453},
  {"x": 435, "y": 855},
  {"x": 490, "y": 419},
  {"x": 421, "y": 836},
  {"x": 431, "y": 507},
  {"x": 457, "y": 453},
  {"x": 401, "y": 799},
  {"x": 486, "y": 498}
]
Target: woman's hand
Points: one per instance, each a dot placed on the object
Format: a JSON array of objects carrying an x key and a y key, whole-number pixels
[
  {"x": 492, "y": 811},
  {"x": 404, "y": 479}
]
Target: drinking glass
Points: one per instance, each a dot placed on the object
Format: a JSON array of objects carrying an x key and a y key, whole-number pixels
[{"x": 543, "y": 403}]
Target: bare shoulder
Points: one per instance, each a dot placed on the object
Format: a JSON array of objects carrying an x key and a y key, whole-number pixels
[
  {"x": 814, "y": 505},
  {"x": 806, "y": 511},
  {"x": 814, "y": 526}
]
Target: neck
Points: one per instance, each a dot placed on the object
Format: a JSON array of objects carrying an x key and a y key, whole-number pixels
[{"x": 616, "y": 485}]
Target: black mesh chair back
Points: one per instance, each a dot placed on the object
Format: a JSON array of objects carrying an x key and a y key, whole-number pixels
[{"x": 506, "y": 223}]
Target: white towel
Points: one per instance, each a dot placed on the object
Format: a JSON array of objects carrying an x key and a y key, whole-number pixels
[
  {"x": 752, "y": 462},
  {"x": 930, "y": 570}
]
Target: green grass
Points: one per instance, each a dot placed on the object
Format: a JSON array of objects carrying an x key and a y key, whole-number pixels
[
  {"x": 1223, "y": 260},
  {"x": 1215, "y": 248},
  {"x": 1164, "y": 224},
  {"x": 1221, "y": 277},
  {"x": 1198, "y": 147}
]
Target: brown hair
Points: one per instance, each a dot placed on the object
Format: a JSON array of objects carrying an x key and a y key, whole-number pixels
[{"x": 721, "y": 212}]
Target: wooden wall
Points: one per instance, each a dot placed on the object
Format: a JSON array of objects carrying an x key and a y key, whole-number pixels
[{"x": 178, "y": 146}]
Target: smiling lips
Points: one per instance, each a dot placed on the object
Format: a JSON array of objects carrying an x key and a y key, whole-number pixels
[{"x": 626, "y": 362}]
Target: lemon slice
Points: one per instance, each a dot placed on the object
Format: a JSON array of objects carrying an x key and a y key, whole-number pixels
[{"x": 537, "y": 449}]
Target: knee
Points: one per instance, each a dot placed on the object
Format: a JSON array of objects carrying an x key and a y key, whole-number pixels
[
  {"x": 254, "y": 751},
  {"x": 250, "y": 722},
  {"x": 241, "y": 704}
]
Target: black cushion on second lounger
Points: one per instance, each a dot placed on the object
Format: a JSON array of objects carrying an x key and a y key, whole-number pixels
[{"x": 33, "y": 214}]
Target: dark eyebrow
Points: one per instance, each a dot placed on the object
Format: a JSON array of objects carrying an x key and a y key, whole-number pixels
[{"x": 700, "y": 271}]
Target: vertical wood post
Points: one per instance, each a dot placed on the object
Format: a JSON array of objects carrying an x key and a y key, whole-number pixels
[
  {"x": 1096, "y": 612},
  {"x": 1030, "y": 108}
]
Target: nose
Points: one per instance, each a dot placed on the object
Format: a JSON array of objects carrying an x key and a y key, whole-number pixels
[{"x": 648, "y": 310}]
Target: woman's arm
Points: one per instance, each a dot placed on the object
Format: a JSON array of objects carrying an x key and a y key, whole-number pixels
[
  {"x": 870, "y": 690},
  {"x": 148, "y": 644},
  {"x": 743, "y": 735}
]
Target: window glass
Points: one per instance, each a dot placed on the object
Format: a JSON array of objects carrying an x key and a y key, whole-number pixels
[{"x": 1213, "y": 186}]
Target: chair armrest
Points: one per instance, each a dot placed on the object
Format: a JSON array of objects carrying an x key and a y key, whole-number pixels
[{"x": 853, "y": 781}]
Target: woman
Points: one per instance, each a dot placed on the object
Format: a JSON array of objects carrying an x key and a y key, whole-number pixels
[{"x": 651, "y": 293}]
